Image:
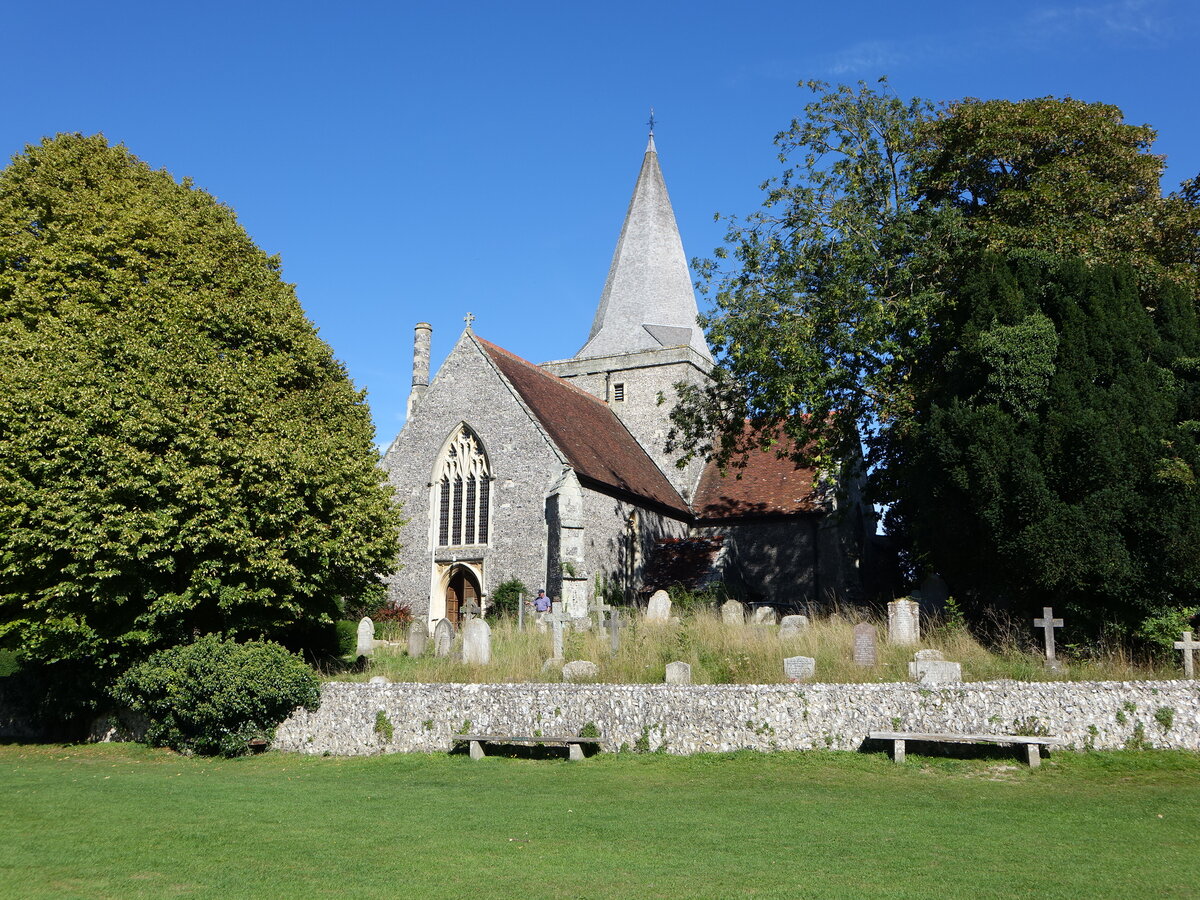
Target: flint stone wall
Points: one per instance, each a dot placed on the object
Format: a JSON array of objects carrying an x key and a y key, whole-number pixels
[{"x": 688, "y": 719}]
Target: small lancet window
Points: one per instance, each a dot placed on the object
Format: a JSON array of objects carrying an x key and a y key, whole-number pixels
[{"x": 463, "y": 485}]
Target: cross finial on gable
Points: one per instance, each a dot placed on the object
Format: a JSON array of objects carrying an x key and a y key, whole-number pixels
[{"x": 469, "y": 318}]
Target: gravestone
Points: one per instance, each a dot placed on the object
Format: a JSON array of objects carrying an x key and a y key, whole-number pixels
[
  {"x": 614, "y": 623},
  {"x": 929, "y": 654},
  {"x": 443, "y": 637},
  {"x": 418, "y": 638},
  {"x": 659, "y": 608},
  {"x": 477, "y": 642},
  {"x": 1048, "y": 623},
  {"x": 790, "y": 626},
  {"x": 798, "y": 668},
  {"x": 866, "y": 651},
  {"x": 557, "y": 619},
  {"x": 764, "y": 615},
  {"x": 732, "y": 613},
  {"x": 378, "y": 679},
  {"x": 580, "y": 670},
  {"x": 934, "y": 671},
  {"x": 469, "y": 610},
  {"x": 904, "y": 623},
  {"x": 679, "y": 673},
  {"x": 366, "y": 637},
  {"x": 1188, "y": 646}
]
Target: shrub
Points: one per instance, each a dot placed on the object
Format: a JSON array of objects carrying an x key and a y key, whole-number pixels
[
  {"x": 347, "y": 637},
  {"x": 1162, "y": 630},
  {"x": 10, "y": 662},
  {"x": 507, "y": 595},
  {"x": 214, "y": 696}
]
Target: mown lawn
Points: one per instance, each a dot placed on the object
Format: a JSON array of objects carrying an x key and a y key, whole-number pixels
[{"x": 124, "y": 821}]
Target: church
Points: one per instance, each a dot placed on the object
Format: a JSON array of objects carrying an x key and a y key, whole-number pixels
[{"x": 557, "y": 473}]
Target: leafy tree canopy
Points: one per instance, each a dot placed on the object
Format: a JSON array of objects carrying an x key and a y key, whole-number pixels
[{"x": 179, "y": 452}]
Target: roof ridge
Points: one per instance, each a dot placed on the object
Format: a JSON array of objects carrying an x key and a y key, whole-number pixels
[{"x": 535, "y": 367}]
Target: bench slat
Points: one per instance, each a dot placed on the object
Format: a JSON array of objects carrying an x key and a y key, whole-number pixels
[
  {"x": 967, "y": 738},
  {"x": 525, "y": 739}
]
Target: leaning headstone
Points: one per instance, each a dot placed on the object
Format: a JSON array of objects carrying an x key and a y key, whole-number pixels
[
  {"x": 732, "y": 613},
  {"x": 798, "y": 668},
  {"x": 443, "y": 637},
  {"x": 904, "y": 623},
  {"x": 580, "y": 670},
  {"x": 866, "y": 652},
  {"x": 790, "y": 626},
  {"x": 418, "y": 638},
  {"x": 366, "y": 637},
  {"x": 934, "y": 671},
  {"x": 764, "y": 615},
  {"x": 659, "y": 608},
  {"x": 477, "y": 643},
  {"x": 679, "y": 673}
]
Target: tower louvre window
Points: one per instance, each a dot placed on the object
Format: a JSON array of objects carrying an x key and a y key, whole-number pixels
[
  {"x": 618, "y": 392},
  {"x": 463, "y": 504}
]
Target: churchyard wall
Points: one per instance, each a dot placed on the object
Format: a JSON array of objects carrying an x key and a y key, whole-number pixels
[
  {"x": 524, "y": 465},
  {"x": 687, "y": 719}
]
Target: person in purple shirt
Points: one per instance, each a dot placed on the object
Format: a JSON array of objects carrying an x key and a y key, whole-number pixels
[{"x": 541, "y": 603}]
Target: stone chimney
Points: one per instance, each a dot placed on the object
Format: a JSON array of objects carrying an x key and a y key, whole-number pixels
[{"x": 420, "y": 379}]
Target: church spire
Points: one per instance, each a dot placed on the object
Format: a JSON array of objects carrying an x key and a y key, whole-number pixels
[{"x": 648, "y": 302}]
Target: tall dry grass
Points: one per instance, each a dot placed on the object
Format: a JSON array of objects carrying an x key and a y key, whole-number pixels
[{"x": 723, "y": 654}]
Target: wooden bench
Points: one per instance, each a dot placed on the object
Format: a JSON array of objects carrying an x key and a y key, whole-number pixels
[
  {"x": 573, "y": 744},
  {"x": 1032, "y": 743}
]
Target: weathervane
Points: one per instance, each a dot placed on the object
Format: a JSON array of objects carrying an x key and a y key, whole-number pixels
[
  {"x": 651, "y": 121},
  {"x": 469, "y": 318}
]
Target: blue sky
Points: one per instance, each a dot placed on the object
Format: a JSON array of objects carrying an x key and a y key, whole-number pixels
[{"x": 415, "y": 162}]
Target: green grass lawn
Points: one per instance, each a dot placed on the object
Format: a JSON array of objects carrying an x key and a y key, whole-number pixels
[{"x": 124, "y": 821}]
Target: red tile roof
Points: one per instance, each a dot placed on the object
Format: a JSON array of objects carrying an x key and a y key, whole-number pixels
[
  {"x": 765, "y": 486},
  {"x": 597, "y": 445}
]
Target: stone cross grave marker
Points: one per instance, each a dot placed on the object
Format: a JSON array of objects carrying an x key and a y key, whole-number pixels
[
  {"x": 659, "y": 607},
  {"x": 469, "y": 610},
  {"x": 366, "y": 637},
  {"x": 443, "y": 637},
  {"x": 477, "y": 642},
  {"x": 865, "y": 650},
  {"x": 1048, "y": 623},
  {"x": 558, "y": 618},
  {"x": 614, "y": 622},
  {"x": 1188, "y": 646}
]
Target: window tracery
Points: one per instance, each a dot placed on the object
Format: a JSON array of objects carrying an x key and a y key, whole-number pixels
[{"x": 463, "y": 484}]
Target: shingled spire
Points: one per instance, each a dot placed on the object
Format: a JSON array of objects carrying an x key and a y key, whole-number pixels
[{"x": 648, "y": 302}]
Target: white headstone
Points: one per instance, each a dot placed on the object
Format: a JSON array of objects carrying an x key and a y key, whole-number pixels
[
  {"x": 798, "y": 668},
  {"x": 732, "y": 613},
  {"x": 790, "y": 626},
  {"x": 366, "y": 637},
  {"x": 477, "y": 643},
  {"x": 764, "y": 615},
  {"x": 418, "y": 638},
  {"x": 904, "y": 623},
  {"x": 443, "y": 637},
  {"x": 679, "y": 673},
  {"x": 929, "y": 654},
  {"x": 580, "y": 670},
  {"x": 935, "y": 671},
  {"x": 659, "y": 608},
  {"x": 378, "y": 679}
]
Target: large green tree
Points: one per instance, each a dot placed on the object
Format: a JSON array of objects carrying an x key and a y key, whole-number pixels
[
  {"x": 179, "y": 452},
  {"x": 839, "y": 308}
]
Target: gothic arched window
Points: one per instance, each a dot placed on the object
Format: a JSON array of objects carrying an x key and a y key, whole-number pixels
[{"x": 463, "y": 486}]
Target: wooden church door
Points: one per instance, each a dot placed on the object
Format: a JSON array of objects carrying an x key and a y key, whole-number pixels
[{"x": 462, "y": 589}]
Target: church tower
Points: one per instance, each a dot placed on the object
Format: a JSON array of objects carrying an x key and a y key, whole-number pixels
[{"x": 645, "y": 338}]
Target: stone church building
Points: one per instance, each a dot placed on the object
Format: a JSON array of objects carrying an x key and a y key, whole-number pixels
[{"x": 556, "y": 473}]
